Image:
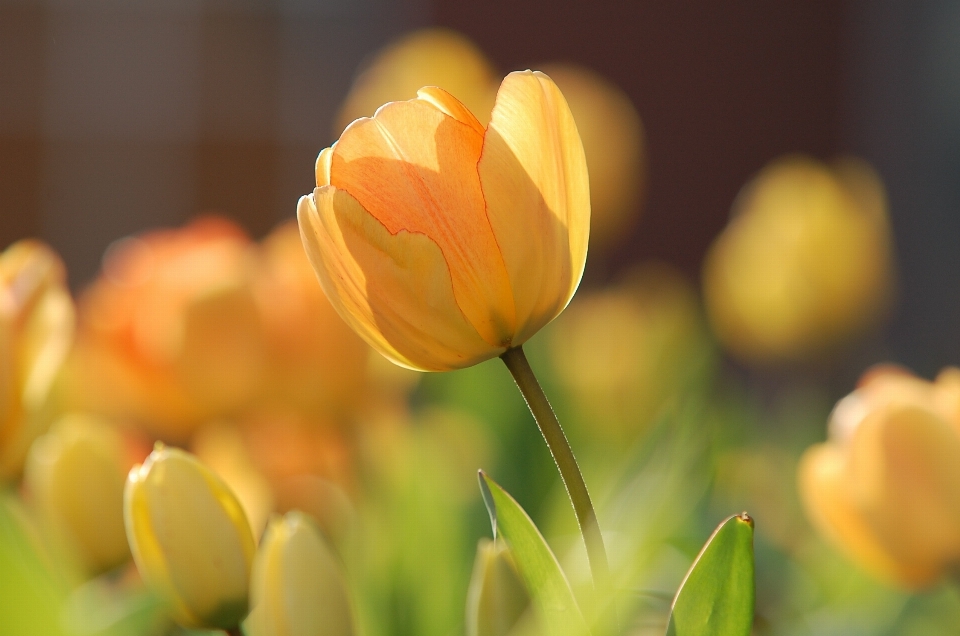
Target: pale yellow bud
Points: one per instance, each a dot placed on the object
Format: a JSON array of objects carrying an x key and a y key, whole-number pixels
[
  {"x": 497, "y": 597},
  {"x": 190, "y": 539},
  {"x": 75, "y": 475},
  {"x": 297, "y": 588}
]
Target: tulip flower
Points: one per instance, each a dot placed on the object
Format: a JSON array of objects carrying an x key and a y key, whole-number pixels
[
  {"x": 805, "y": 263},
  {"x": 297, "y": 588},
  {"x": 444, "y": 243},
  {"x": 497, "y": 597},
  {"x": 36, "y": 331},
  {"x": 885, "y": 487},
  {"x": 75, "y": 475},
  {"x": 190, "y": 539}
]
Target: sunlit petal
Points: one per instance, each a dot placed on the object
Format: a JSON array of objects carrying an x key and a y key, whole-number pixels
[
  {"x": 534, "y": 179},
  {"x": 413, "y": 168},
  {"x": 394, "y": 289}
]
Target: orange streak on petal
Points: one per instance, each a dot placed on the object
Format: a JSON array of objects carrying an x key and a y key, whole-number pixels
[{"x": 414, "y": 168}]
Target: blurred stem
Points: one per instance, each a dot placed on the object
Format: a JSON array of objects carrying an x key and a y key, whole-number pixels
[
  {"x": 546, "y": 419},
  {"x": 236, "y": 631}
]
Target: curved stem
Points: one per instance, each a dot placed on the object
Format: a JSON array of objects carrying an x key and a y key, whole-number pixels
[{"x": 546, "y": 419}]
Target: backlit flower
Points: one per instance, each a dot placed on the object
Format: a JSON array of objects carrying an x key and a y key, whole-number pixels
[
  {"x": 886, "y": 486},
  {"x": 444, "y": 243}
]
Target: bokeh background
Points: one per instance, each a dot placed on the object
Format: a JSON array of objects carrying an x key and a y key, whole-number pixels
[{"x": 117, "y": 117}]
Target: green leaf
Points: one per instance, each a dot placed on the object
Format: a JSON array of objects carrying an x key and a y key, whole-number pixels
[
  {"x": 538, "y": 567},
  {"x": 716, "y": 597}
]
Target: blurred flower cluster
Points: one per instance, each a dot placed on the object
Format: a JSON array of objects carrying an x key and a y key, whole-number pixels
[{"x": 200, "y": 439}]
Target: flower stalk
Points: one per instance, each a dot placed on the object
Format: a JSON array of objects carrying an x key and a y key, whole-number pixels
[{"x": 549, "y": 425}]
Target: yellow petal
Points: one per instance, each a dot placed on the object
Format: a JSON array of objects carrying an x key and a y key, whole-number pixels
[
  {"x": 414, "y": 169},
  {"x": 534, "y": 178},
  {"x": 450, "y": 105},
  {"x": 823, "y": 487},
  {"x": 323, "y": 166},
  {"x": 394, "y": 289}
]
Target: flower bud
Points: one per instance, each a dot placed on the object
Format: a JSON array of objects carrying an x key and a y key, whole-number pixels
[
  {"x": 497, "y": 597},
  {"x": 805, "y": 263},
  {"x": 190, "y": 539},
  {"x": 36, "y": 330},
  {"x": 75, "y": 474},
  {"x": 886, "y": 486},
  {"x": 297, "y": 588}
]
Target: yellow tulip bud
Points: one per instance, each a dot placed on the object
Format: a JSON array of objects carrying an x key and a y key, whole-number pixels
[
  {"x": 497, "y": 598},
  {"x": 190, "y": 539},
  {"x": 805, "y": 262},
  {"x": 886, "y": 486},
  {"x": 444, "y": 243},
  {"x": 429, "y": 57},
  {"x": 297, "y": 588},
  {"x": 36, "y": 331},
  {"x": 75, "y": 474}
]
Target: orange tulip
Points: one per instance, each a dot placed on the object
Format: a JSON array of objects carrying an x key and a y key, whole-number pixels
[
  {"x": 886, "y": 486},
  {"x": 444, "y": 243},
  {"x": 36, "y": 331}
]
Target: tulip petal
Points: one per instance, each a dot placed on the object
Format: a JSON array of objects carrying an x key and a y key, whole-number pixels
[
  {"x": 534, "y": 178},
  {"x": 413, "y": 167},
  {"x": 395, "y": 290},
  {"x": 450, "y": 105},
  {"x": 323, "y": 166},
  {"x": 822, "y": 482}
]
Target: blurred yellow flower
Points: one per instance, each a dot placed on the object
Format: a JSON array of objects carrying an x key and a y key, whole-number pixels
[
  {"x": 36, "y": 330},
  {"x": 190, "y": 539},
  {"x": 170, "y": 332},
  {"x": 886, "y": 486},
  {"x": 297, "y": 587},
  {"x": 805, "y": 263},
  {"x": 443, "y": 243},
  {"x": 75, "y": 476},
  {"x": 614, "y": 145},
  {"x": 429, "y": 57},
  {"x": 623, "y": 352}
]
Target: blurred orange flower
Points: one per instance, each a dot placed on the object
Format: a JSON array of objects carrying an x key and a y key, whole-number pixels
[
  {"x": 36, "y": 330},
  {"x": 170, "y": 331},
  {"x": 886, "y": 486},
  {"x": 444, "y": 243},
  {"x": 317, "y": 363}
]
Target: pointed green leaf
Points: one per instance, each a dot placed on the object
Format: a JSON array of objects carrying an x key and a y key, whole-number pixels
[
  {"x": 716, "y": 597},
  {"x": 538, "y": 567}
]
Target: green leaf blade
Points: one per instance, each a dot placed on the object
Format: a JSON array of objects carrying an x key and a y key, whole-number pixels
[
  {"x": 538, "y": 567},
  {"x": 717, "y": 596}
]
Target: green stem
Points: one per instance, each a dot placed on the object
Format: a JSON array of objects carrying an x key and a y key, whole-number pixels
[{"x": 559, "y": 447}]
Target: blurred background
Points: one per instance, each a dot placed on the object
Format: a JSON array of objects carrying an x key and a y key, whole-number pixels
[
  {"x": 776, "y": 209},
  {"x": 115, "y": 118}
]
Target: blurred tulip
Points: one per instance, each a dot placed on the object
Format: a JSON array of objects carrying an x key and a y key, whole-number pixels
[
  {"x": 497, "y": 597},
  {"x": 622, "y": 353},
  {"x": 437, "y": 256},
  {"x": 190, "y": 539},
  {"x": 805, "y": 263},
  {"x": 430, "y": 57},
  {"x": 317, "y": 363},
  {"x": 886, "y": 486},
  {"x": 75, "y": 475},
  {"x": 36, "y": 330},
  {"x": 614, "y": 146},
  {"x": 297, "y": 588},
  {"x": 170, "y": 332}
]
